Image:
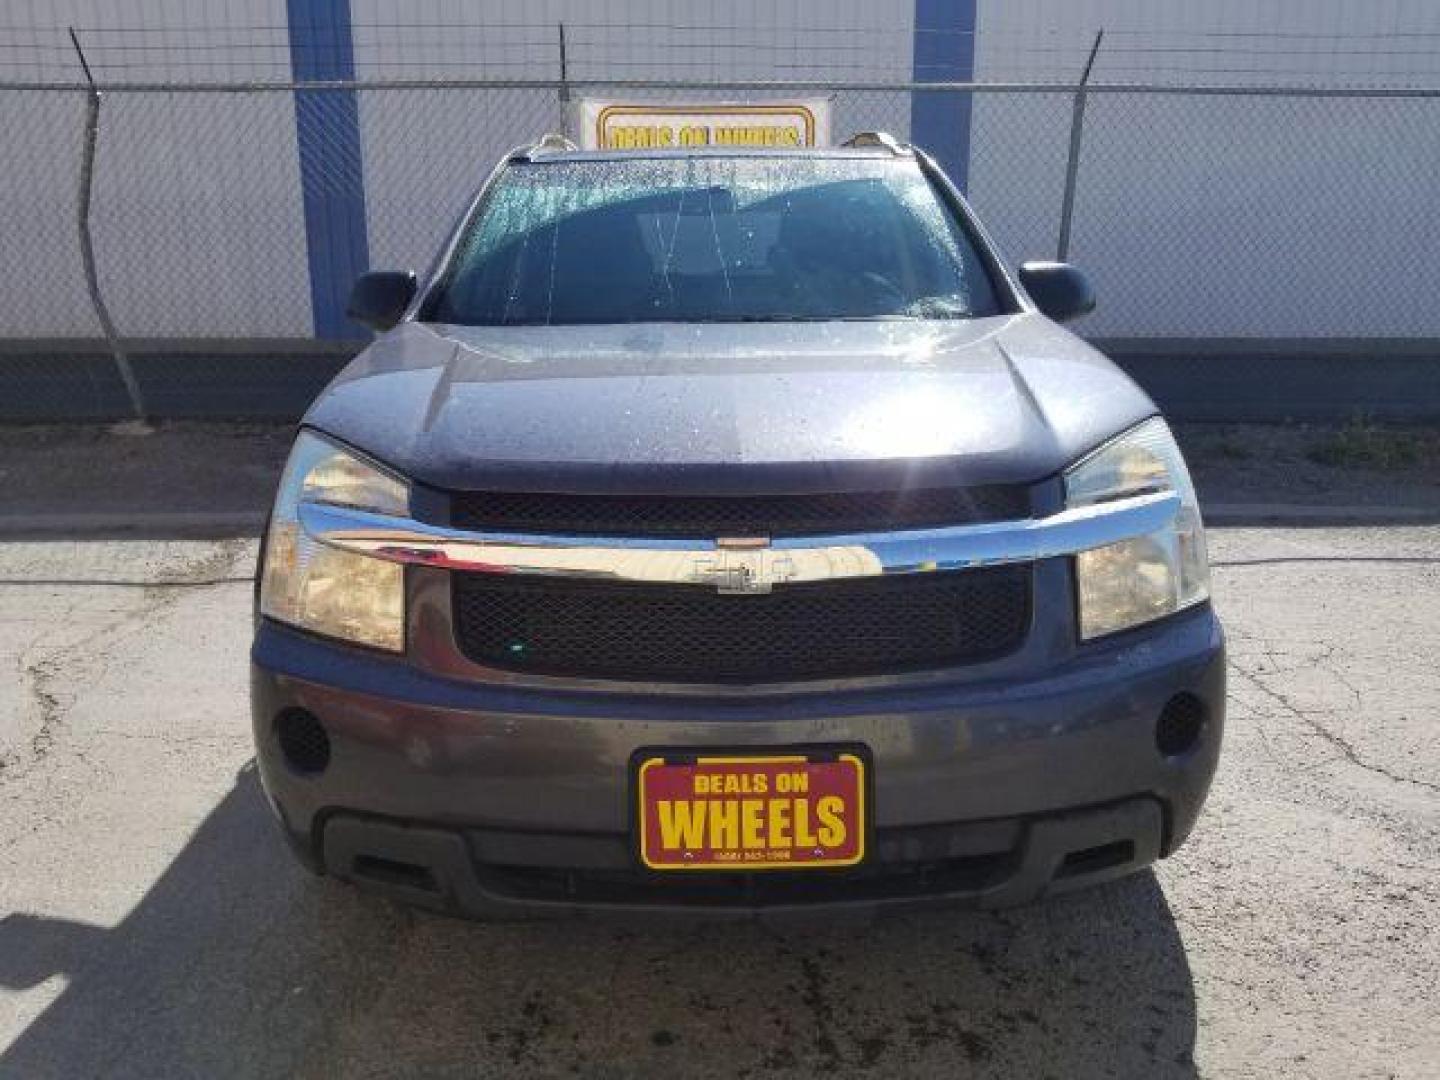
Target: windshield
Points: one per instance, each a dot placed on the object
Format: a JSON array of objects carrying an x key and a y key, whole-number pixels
[{"x": 718, "y": 239}]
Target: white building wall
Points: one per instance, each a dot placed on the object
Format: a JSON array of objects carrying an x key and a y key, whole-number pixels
[
  {"x": 1231, "y": 216},
  {"x": 1215, "y": 42},
  {"x": 197, "y": 217}
]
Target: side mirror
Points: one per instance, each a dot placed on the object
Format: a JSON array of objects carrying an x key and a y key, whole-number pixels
[
  {"x": 1059, "y": 290},
  {"x": 379, "y": 298}
]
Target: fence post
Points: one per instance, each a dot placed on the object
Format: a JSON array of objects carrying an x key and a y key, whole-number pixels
[
  {"x": 87, "y": 246},
  {"x": 564, "y": 92},
  {"x": 1072, "y": 162}
]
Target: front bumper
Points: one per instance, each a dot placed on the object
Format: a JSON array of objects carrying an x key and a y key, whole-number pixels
[{"x": 993, "y": 785}]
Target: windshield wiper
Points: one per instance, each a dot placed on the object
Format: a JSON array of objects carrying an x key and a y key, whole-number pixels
[{"x": 747, "y": 318}]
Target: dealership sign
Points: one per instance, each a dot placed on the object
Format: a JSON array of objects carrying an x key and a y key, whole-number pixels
[{"x": 621, "y": 125}]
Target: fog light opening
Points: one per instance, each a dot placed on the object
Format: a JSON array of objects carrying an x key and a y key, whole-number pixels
[
  {"x": 303, "y": 741},
  {"x": 1181, "y": 724}
]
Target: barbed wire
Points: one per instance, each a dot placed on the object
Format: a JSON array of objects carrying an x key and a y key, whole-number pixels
[{"x": 1033, "y": 53}]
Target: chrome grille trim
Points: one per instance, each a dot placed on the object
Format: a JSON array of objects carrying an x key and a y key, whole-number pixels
[{"x": 710, "y": 561}]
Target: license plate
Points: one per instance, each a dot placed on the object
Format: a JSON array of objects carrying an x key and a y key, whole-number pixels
[{"x": 743, "y": 812}]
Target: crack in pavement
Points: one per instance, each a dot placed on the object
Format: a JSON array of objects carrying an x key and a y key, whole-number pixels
[
  {"x": 44, "y": 670},
  {"x": 1346, "y": 748},
  {"x": 40, "y": 674}
]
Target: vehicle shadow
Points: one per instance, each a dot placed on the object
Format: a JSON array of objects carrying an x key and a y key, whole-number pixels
[{"x": 237, "y": 964}]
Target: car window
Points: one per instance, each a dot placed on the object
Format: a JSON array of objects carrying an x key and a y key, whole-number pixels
[{"x": 712, "y": 239}]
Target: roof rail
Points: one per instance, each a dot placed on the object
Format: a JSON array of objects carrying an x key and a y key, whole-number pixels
[
  {"x": 550, "y": 143},
  {"x": 883, "y": 139}
]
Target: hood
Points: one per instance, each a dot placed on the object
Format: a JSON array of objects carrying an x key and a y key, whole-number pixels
[{"x": 729, "y": 407}]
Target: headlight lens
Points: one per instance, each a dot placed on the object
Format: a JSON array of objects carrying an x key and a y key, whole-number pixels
[
  {"x": 1135, "y": 581},
  {"x": 321, "y": 588}
]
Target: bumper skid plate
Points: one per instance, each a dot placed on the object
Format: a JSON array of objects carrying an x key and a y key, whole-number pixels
[{"x": 499, "y": 875}]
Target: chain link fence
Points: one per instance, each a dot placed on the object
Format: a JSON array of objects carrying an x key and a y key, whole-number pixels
[{"x": 1205, "y": 216}]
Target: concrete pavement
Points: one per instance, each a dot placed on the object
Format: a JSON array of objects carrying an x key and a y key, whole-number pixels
[{"x": 151, "y": 924}]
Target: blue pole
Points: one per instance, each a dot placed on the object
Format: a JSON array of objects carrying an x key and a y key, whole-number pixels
[
  {"x": 944, "y": 51},
  {"x": 332, "y": 175}
]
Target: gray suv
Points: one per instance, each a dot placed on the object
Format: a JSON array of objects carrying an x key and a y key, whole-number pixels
[{"x": 729, "y": 531}]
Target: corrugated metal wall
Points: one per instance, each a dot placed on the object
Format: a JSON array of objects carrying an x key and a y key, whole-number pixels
[
  {"x": 197, "y": 209},
  {"x": 1186, "y": 207},
  {"x": 1292, "y": 217}
]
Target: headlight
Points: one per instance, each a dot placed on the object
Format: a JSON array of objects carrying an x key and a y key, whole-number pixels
[
  {"x": 321, "y": 588},
  {"x": 1134, "y": 581}
]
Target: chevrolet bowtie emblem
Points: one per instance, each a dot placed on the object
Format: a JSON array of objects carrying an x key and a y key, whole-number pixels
[{"x": 744, "y": 566}]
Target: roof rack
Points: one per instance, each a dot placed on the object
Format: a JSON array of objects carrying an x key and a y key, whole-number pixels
[
  {"x": 550, "y": 143},
  {"x": 882, "y": 139}
]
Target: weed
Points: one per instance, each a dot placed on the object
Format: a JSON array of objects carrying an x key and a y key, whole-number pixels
[
  {"x": 1231, "y": 450},
  {"x": 1363, "y": 444}
]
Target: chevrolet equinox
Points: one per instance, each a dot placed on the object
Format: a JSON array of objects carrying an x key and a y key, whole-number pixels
[{"x": 730, "y": 530}]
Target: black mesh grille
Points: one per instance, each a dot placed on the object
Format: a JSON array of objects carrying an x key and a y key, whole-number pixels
[
  {"x": 749, "y": 515},
  {"x": 689, "y": 633}
]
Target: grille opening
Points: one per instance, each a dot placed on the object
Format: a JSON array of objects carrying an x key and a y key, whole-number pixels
[
  {"x": 689, "y": 633},
  {"x": 303, "y": 741},
  {"x": 719, "y": 890},
  {"x": 1092, "y": 859},
  {"x": 1181, "y": 723},
  {"x": 802, "y": 514},
  {"x": 391, "y": 872}
]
